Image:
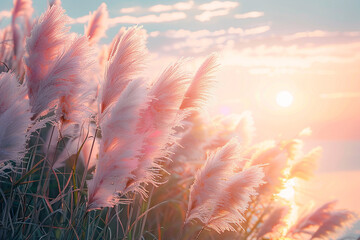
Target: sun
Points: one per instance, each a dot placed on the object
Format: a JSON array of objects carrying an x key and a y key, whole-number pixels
[{"x": 284, "y": 99}]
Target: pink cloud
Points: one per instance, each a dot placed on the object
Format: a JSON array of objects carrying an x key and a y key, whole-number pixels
[
  {"x": 263, "y": 59},
  {"x": 214, "y": 5},
  {"x": 199, "y": 41},
  {"x": 5, "y": 14},
  {"x": 253, "y": 14},
  {"x": 129, "y": 10},
  {"x": 181, "y": 6},
  {"x": 163, "y": 17},
  {"x": 82, "y": 19},
  {"x": 154, "y": 34},
  {"x": 256, "y": 30},
  {"x": 207, "y": 15},
  {"x": 312, "y": 34}
]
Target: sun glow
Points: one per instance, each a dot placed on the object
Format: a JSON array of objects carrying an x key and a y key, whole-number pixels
[
  {"x": 284, "y": 99},
  {"x": 288, "y": 192},
  {"x": 288, "y": 195}
]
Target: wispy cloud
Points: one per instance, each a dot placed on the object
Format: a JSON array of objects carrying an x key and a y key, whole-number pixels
[
  {"x": 129, "y": 10},
  {"x": 263, "y": 59},
  {"x": 5, "y": 14},
  {"x": 199, "y": 41},
  {"x": 163, "y": 17},
  {"x": 180, "y": 6},
  {"x": 256, "y": 30},
  {"x": 82, "y": 19},
  {"x": 339, "y": 95},
  {"x": 253, "y": 14},
  {"x": 207, "y": 15},
  {"x": 214, "y": 5},
  {"x": 183, "y": 33},
  {"x": 312, "y": 34},
  {"x": 319, "y": 34},
  {"x": 152, "y": 18}
]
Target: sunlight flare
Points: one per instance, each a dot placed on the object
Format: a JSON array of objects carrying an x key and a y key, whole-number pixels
[{"x": 284, "y": 99}]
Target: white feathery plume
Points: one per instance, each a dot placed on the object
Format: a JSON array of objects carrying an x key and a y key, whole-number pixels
[
  {"x": 233, "y": 200},
  {"x": 210, "y": 180},
  {"x": 157, "y": 123},
  {"x": 265, "y": 152},
  {"x": 126, "y": 60},
  {"x": 293, "y": 147},
  {"x": 47, "y": 40},
  {"x": 306, "y": 166},
  {"x": 5, "y": 48},
  {"x": 240, "y": 125},
  {"x": 337, "y": 220},
  {"x": 313, "y": 219},
  {"x": 201, "y": 84},
  {"x": 98, "y": 24},
  {"x": 69, "y": 80},
  {"x": 22, "y": 8},
  {"x": 119, "y": 147},
  {"x": 275, "y": 219},
  {"x": 14, "y": 118}
]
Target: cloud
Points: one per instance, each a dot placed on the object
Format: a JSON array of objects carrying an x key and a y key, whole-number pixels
[
  {"x": 163, "y": 17},
  {"x": 199, "y": 41},
  {"x": 207, "y": 15},
  {"x": 312, "y": 34},
  {"x": 319, "y": 34},
  {"x": 264, "y": 58},
  {"x": 214, "y": 5},
  {"x": 256, "y": 30},
  {"x": 129, "y": 10},
  {"x": 253, "y": 14},
  {"x": 154, "y": 34},
  {"x": 340, "y": 95},
  {"x": 82, "y": 20},
  {"x": 5, "y": 14},
  {"x": 183, "y": 33},
  {"x": 181, "y": 6}
]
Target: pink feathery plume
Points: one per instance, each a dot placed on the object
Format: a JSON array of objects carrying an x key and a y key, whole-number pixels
[
  {"x": 232, "y": 201},
  {"x": 14, "y": 118},
  {"x": 336, "y": 221},
  {"x": 157, "y": 123},
  {"x": 66, "y": 81},
  {"x": 273, "y": 221},
  {"x": 98, "y": 24},
  {"x": 22, "y": 8},
  {"x": 306, "y": 166},
  {"x": 293, "y": 147},
  {"x": 5, "y": 48},
  {"x": 275, "y": 159},
  {"x": 199, "y": 89},
  {"x": 316, "y": 218},
  {"x": 234, "y": 125},
  {"x": 209, "y": 180},
  {"x": 69, "y": 81},
  {"x": 120, "y": 147},
  {"x": 246, "y": 128},
  {"x": 126, "y": 60},
  {"x": 47, "y": 40},
  {"x": 265, "y": 152}
]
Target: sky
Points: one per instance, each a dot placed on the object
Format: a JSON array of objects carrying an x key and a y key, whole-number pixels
[{"x": 308, "y": 48}]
